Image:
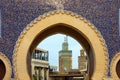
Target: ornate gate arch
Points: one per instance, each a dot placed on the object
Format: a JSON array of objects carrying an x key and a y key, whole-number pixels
[{"x": 42, "y": 23}]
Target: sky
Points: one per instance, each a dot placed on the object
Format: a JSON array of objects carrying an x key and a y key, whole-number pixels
[{"x": 53, "y": 44}]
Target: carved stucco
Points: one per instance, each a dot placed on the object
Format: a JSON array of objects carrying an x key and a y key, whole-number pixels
[{"x": 62, "y": 16}]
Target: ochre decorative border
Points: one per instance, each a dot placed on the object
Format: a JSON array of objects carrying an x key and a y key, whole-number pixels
[
  {"x": 101, "y": 56},
  {"x": 114, "y": 62},
  {"x": 7, "y": 65}
]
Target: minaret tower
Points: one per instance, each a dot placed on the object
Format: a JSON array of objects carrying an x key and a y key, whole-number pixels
[
  {"x": 82, "y": 61},
  {"x": 65, "y": 57}
]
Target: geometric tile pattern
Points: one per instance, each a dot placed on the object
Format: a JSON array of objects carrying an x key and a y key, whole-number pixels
[{"x": 16, "y": 14}]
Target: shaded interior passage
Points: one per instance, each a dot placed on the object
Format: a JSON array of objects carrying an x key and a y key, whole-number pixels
[
  {"x": 118, "y": 68},
  {"x": 2, "y": 70}
]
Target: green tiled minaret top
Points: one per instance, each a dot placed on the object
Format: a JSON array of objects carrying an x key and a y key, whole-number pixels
[
  {"x": 65, "y": 50},
  {"x": 65, "y": 44}
]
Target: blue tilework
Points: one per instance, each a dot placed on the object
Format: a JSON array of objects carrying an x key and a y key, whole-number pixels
[{"x": 17, "y": 14}]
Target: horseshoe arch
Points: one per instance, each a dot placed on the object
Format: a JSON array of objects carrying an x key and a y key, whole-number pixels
[{"x": 77, "y": 23}]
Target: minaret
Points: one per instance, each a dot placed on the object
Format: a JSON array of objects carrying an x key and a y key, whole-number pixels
[
  {"x": 82, "y": 61},
  {"x": 65, "y": 57}
]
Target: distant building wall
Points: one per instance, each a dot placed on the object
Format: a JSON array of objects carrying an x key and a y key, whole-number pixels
[{"x": 40, "y": 64}]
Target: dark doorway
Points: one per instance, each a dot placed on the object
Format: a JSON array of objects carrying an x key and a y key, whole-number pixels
[
  {"x": 2, "y": 70},
  {"x": 118, "y": 68}
]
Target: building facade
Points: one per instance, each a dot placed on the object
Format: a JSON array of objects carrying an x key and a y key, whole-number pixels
[{"x": 40, "y": 65}]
